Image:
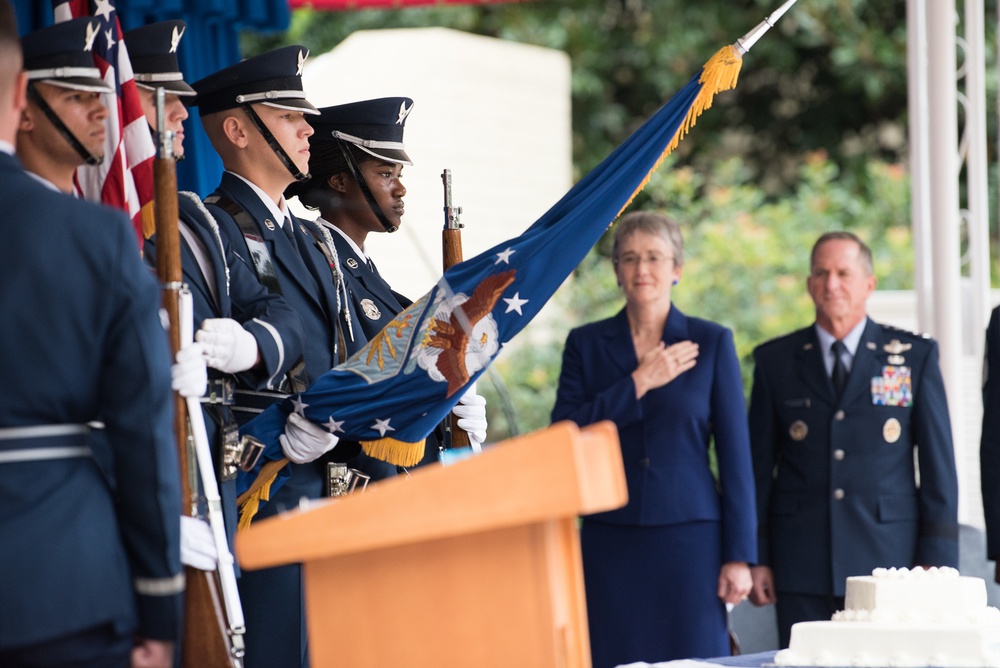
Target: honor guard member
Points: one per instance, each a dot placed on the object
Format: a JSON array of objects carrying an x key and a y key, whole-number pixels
[
  {"x": 356, "y": 165},
  {"x": 92, "y": 575},
  {"x": 836, "y": 412},
  {"x": 254, "y": 115},
  {"x": 245, "y": 331}
]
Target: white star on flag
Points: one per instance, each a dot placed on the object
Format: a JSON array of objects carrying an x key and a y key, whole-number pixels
[
  {"x": 382, "y": 426},
  {"x": 109, "y": 34},
  {"x": 103, "y": 8},
  {"x": 515, "y": 303},
  {"x": 333, "y": 426},
  {"x": 504, "y": 256},
  {"x": 300, "y": 406}
]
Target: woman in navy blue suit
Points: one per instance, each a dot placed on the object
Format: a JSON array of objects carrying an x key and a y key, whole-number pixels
[{"x": 660, "y": 571}]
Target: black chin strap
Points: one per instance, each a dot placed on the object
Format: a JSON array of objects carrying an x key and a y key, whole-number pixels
[
  {"x": 40, "y": 102},
  {"x": 273, "y": 143},
  {"x": 352, "y": 165}
]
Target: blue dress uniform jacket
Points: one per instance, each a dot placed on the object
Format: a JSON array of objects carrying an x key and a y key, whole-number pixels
[
  {"x": 82, "y": 340},
  {"x": 989, "y": 445},
  {"x": 234, "y": 293},
  {"x": 836, "y": 491},
  {"x": 312, "y": 294},
  {"x": 373, "y": 304},
  {"x": 272, "y": 598}
]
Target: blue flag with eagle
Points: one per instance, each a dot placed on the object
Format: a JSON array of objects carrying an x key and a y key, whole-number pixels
[{"x": 396, "y": 390}]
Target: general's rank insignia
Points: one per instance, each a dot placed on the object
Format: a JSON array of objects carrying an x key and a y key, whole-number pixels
[
  {"x": 893, "y": 388},
  {"x": 891, "y": 430},
  {"x": 352, "y": 263},
  {"x": 371, "y": 311},
  {"x": 798, "y": 431}
]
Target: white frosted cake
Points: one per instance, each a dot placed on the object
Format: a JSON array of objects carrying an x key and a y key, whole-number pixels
[{"x": 898, "y": 617}]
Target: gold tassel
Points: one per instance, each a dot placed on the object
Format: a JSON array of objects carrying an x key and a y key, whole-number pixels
[
  {"x": 395, "y": 452},
  {"x": 148, "y": 220},
  {"x": 720, "y": 73},
  {"x": 251, "y": 500}
]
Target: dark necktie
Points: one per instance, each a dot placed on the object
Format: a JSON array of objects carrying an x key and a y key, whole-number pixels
[
  {"x": 290, "y": 233},
  {"x": 839, "y": 375}
]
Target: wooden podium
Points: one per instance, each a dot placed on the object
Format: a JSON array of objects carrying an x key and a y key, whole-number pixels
[{"x": 475, "y": 563}]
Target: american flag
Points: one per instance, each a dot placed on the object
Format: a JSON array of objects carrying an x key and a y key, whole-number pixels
[{"x": 124, "y": 179}]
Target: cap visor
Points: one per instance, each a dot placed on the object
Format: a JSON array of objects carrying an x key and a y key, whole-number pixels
[
  {"x": 172, "y": 87},
  {"x": 391, "y": 154},
  {"x": 293, "y": 104},
  {"x": 88, "y": 84}
]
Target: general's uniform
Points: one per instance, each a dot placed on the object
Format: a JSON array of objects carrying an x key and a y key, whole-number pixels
[
  {"x": 82, "y": 341},
  {"x": 836, "y": 489},
  {"x": 651, "y": 568},
  {"x": 989, "y": 444},
  {"x": 289, "y": 262}
]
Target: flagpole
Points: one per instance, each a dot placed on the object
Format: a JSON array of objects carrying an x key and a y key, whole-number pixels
[{"x": 743, "y": 44}]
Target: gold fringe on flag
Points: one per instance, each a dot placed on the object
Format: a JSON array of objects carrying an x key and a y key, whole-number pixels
[
  {"x": 720, "y": 73},
  {"x": 148, "y": 220},
  {"x": 395, "y": 452},
  {"x": 250, "y": 501}
]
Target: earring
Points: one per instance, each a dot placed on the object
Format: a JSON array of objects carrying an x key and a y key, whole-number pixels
[{"x": 675, "y": 281}]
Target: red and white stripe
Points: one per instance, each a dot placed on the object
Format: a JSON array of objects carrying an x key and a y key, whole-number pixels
[{"x": 124, "y": 179}]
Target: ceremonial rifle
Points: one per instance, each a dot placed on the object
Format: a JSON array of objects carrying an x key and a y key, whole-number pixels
[
  {"x": 451, "y": 254},
  {"x": 212, "y": 627}
]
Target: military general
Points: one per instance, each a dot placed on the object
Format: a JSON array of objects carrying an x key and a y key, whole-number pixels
[{"x": 836, "y": 412}]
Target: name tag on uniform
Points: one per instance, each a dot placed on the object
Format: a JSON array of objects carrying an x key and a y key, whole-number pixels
[{"x": 893, "y": 388}]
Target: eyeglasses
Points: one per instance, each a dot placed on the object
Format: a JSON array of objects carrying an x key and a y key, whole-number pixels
[{"x": 631, "y": 261}]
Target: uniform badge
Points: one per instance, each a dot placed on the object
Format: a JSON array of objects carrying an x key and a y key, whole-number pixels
[
  {"x": 269, "y": 224},
  {"x": 798, "y": 431},
  {"x": 870, "y": 345},
  {"x": 894, "y": 348},
  {"x": 891, "y": 430},
  {"x": 302, "y": 227},
  {"x": 371, "y": 311},
  {"x": 352, "y": 263},
  {"x": 894, "y": 387}
]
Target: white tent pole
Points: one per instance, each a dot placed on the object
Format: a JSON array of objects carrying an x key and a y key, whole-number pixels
[
  {"x": 977, "y": 175},
  {"x": 920, "y": 192}
]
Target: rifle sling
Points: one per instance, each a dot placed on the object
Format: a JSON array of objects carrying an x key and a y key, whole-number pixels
[{"x": 261, "y": 257}]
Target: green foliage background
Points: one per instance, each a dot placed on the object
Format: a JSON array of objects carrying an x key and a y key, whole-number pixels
[{"x": 814, "y": 138}]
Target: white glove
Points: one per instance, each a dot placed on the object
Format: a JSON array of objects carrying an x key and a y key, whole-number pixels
[
  {"x": 228, "y": 347},
  {"x": 197, "y": 544},
  {"x": 471, "y": 414},
  {"x": 189, "y": 375},
  {"x": 305, "y": 441}
]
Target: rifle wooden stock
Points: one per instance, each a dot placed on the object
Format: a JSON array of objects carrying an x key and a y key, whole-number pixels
[
  {"x": 451, "y": 254},
  {"x": 205, "y": 642}
]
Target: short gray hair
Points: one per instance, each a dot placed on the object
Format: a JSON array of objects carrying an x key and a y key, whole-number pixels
[
  {"x": 864, "y": 251},
  {"x": 650, "y": 222}
]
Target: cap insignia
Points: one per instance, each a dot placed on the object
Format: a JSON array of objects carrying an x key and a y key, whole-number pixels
[
  {"x": 175, "y": 38},
  {"x": 403, "y": 113},
  {"x": 302, "y": 62},
  {"x": 92, "y": 32}
]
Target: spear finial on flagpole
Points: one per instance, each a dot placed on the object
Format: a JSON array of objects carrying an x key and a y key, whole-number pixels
[{"x": 744, "y": 43}]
